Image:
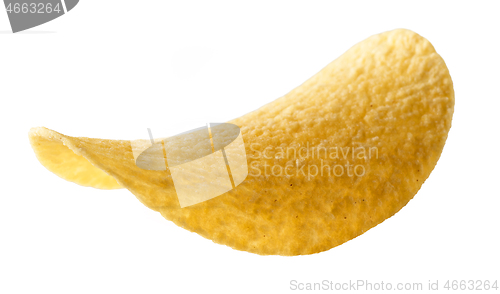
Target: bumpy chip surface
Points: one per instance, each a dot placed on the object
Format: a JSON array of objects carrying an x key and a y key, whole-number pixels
[{"x": 391, "y": 92}]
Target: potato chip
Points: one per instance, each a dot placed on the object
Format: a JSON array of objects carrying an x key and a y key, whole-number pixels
[{"x": 328, "y": 161}]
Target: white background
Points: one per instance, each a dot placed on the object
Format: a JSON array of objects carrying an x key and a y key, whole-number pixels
[{"x": 109, "y": 68}]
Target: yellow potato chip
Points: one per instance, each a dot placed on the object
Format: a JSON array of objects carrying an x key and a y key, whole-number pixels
[{"x": 328, "y": 161}]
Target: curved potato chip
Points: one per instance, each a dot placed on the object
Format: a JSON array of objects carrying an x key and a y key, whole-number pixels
[{"x": 381, "y": 111}]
